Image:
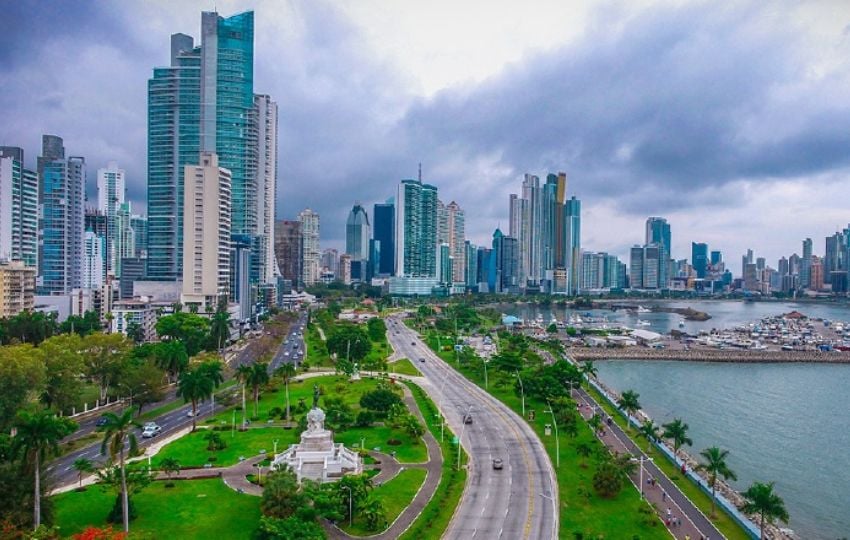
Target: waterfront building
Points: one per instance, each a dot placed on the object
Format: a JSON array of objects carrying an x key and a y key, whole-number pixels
[
  {"x": 18, "y": 208},
  {"x": 383, "y": 231},
  {"x": 572, "y": 247},
  {"x": 357, "y": 233},
  {"x": 592, "y": 271},
  {"x": 835, "y": 257},
  {"x": 206, "y": 233},
  {"x": 716, "y": 258},
  {"x": 645, "y": 265},
  {"x": 816, "y": 277},
  {"x": 61, "y": 199},
  {"x": 287, "y": 247},
  {"x": 699, "y": 259},
  {"x": 110, "y": 196},
  {"x": 310, "y": 254},
  {"x": 658, "y": 233},
  {"x": 806, "y": 264},
  {"x": 505, "y": 264},
  {"x": 416, "y": 230},
  {"x": 17, "y": 288}
]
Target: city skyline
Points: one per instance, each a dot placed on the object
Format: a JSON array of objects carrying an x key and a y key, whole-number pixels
[{"x": 706, "y": 145}]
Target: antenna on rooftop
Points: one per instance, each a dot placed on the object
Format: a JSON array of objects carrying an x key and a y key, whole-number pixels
[{"x": 420, "y": 172}]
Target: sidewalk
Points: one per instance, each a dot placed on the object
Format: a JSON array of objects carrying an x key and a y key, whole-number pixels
[{"x": 679, "y": 514}]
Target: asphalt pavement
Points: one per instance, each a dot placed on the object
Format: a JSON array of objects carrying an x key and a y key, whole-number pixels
[{"x": 516, "y": 502}]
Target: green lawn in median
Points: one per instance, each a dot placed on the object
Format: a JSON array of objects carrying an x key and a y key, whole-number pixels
[
  {"x": 403, "y": 367},
  {"x": 396, "y": 495},
  {"x": 193, "y": 509}
]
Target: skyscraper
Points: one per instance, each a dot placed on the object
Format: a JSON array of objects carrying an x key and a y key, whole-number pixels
[
  {"x": 94, "y": 260},
  {"x": 204, "y": 101},
  {"x": 357, "y": 234},
  {"x": 658, "y": 232},
  {"x": 287, "y": 247},
  {"x": 310, "y": 254},
  {"x": 806, "y": 263},
  {"x": 110, "y": 196},
  {"x": 206, "y": 233},
  {"x": 699, "y": 259},
  {"x": 124, "y": 239},
  {"x": 61, "y": 198},
  {"x": 456, "y": 235},
  {"x": 572, "y": 245},
  {"x": 416, "y": 230},
  {"x": 18, "y": 208},
  {"x": 383, "y": 231},
  {"x": 140, "y": 232}
]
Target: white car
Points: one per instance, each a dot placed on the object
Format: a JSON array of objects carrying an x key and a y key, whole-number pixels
[{"x": 151, "y": 430}]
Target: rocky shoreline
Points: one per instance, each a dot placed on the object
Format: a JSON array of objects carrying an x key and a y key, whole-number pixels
[{"x": 708, "y": 355}]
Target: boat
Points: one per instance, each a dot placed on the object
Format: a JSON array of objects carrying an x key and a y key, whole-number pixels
[
  {"x": 641, "y": 322},
  {"x": 682, "y": 323},
  {"x": 641, "y": 309}
]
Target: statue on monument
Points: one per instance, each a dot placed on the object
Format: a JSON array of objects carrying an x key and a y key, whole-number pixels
[{"x": 315, "y": 396}]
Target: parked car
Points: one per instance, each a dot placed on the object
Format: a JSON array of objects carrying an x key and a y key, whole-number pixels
[{"x": 497, "y": 464}]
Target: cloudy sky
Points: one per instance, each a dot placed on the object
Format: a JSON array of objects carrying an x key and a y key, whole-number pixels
[{"x": 733, "y": 122}]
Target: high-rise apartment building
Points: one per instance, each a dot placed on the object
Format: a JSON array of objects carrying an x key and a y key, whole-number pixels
[
  {"x": 140, "y": 235},
  {"x": 357, "y": 234},
  {"x": 61, "y": 199},
  {"x": 806, "y": 264},
  {"x": 644, "y": 267},
  {"x": 18, "y": 208},
  {"x": 383, "y": 231},
  {"x": 287, "y": 247},
  {"x": 572, "y": 246},
  {"x": 206, "y": 233},
  {"x": 124, "y": 239},
  {"x": 111, "y": 188},
  {"x": 94, "y": 260},
  {"x": 204, "y": 101},
  {"x": 310, "y": 254},
  {"x": 699, "y": 259},
  {"x": 330, "y": 261},
  {"x": 456, "y": 237},
  {"x": 658, "y": 233},
  {"x": 416, "y": 230},
  {"x": 471, "y": 268}
]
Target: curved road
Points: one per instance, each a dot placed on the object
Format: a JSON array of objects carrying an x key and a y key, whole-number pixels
[{"x": 517, "y": 502}]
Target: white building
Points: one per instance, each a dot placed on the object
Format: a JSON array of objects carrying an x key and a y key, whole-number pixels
[
  {"x": 18, "y": 208},
  {"x": 94, "y": 259},
  {"x": 124, "y": 244},
  {"x": 128, "y": 312},
  {"x": 206, "y": 232},
  {"x": 266, "y": 115},
  {"x": 456, "y": 237},
  {"x": 310, "y": 254},
  {"x": 110, "y": 197}
]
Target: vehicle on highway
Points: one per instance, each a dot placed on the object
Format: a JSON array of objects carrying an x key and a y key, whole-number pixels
[
  {"x": 151, "y": 429},
  {"x": 422, "y": 359},
  {"x": 101, "y": 421},
  {"x": 497, "y": 464},
  {"x": 467, "y": 419},
  {"x": 190, "y": 414},
  {"x": 413, "y": 343}
]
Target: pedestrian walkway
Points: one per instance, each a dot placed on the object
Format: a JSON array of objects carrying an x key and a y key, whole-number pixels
[{"x": 681, "y": 517}]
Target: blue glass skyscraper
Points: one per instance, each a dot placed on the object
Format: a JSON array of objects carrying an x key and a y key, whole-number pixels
[{"x": 384, "y": 232}]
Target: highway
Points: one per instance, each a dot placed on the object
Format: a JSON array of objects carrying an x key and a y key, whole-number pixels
[
  {"x": 61, "y": 472},
  {"x": 517, "y": 502}
]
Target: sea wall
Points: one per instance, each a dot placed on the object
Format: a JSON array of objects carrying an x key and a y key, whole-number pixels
[{"x": 708, "y": 355}]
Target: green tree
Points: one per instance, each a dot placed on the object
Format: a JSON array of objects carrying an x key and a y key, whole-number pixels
[
  {"x": 141, "y": 383},
  {"x": 349, "y": 341},
  {"x": 379, "y": 400},
  {"x": 82, "y": 326},
  {"x": 22, "y": 377},
  {"x": 64, "y": 364},
  {"x": 552, "y": 328},
  {"x": 195, "y": 385},
  {"x": 82, "y": 466},
  {"x": 715, "y": 465},
  {"x": 169, "y": 466},
  {"x": 29, "y": 327},
  {"x": 338, "y": 414},
  {"x": 219, "y": 327},
  {"x": 374, "y": 513},
  {"x": 212, "y": 367},
  {"x": 103, "y": 357},
  {"x": 377, "y": 329},
  {"x": 650, "y": 431},
  {"x": 37, "y": 434},
  {"x": 257, "y": 377},
  {"x": 281, "y": 496},
  {"x": 286, "y": 371},
  {"x": 629, "y": 402},
  {"x": 413, "y": 427},
  {"x": 508, "y": 361},
  {"x": 135, "y": 332},
  {"x": 588, "y": 370},
  {"x": 763, "y": 501},
  {"x": 242, "y": 373},
  {"x": 190, "y": 329},
  {"x": 608, "y": 479},
  {"x": 358, "y": 487},
  {"x": 125, "y": 482},
  {"x": 676, "y": 431},
  {"x": 172, "y": 357},
  {"x": 291, "y": 528},
  {"x": 584, "y": 450},
  {"x": 214, "y": 441},
  {"x": 118, "y": 432}
]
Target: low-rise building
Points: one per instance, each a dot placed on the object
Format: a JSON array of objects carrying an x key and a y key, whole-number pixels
[
  {"x": 128, "y": 312},
  {"x": 17, "y": 288}
]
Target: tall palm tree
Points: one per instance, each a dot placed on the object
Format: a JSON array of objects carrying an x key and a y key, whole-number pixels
[
  {"x": 629, "y": 402},
  {"x": 649, "y": 430},
  {"x": 213, "y": 369},
  {"x": 588, "y": 370},
  {"x": 715, "y": 465},
  {"x": 242, "y": 373},
  {"x": 37, "y": 434},
  {"x": 82, "y": 466},
  {"x": 763, "y": 501},
  {"x": 677, "y": 431},
  {"x": 193, "y": 386},
  {"x": 118, "y": 433},
  {"x": 287, "y": 371},
  {"x": 258, "y": 376}
]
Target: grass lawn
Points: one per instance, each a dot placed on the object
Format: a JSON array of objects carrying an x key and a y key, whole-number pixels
[
  {"x": 723, "y": 521},
  {"x": 435, "y": 517},
  {"x": 317, "y": 350},
  {"x": 191, "y": 509},
  {"x": 396, "y": 495},
  {"x": 191, "y": 450},
  {"x": 581, "y": 511},
  {"x": 404, "y": 367},
  {"x": 377, "y": 436}
]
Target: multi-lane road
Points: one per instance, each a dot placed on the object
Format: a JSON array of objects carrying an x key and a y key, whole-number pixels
[
  {"x": 61, "y": 470},
  {"x": 520, "y": 500}
]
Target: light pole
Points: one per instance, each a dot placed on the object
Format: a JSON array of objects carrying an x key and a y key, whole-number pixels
[
  {"x": 641, "y": 459},
  {"x": 521, "y": 389},
  {"x": 486, "y": 382},
  {"x": 350, "y": 506},
  {"x": 462, "y": 429},
  {"x": 557, "y": 440},
  {"x": 275, "y": 446}
]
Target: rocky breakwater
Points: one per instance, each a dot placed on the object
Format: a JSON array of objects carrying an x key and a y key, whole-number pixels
[
  {"x": 688, "y": 313},
  {"x": 707, "y": 355}
]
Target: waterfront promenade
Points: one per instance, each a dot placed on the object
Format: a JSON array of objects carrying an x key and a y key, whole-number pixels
[{"x": 707, "y": 355}]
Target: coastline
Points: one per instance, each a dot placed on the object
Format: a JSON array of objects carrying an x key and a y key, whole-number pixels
[{"x": 708, "y": 355}]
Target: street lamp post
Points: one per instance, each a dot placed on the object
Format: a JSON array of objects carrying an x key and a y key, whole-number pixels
[
  {"x": 350, "y": 505},
  {"x": 641, "y": 459},
  {"x": 462, "y": 429},
  {"x": 486, "y": 382},
  {"x": 275, "y": 446},
  {"x": 557, "y": 440},
  {"x": 521, "y": 389}
]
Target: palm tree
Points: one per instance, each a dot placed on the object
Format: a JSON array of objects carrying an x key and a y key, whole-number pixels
[
  {"x": 82, "y": 466},
  {"x": 677, "y": 431},
  {"x": 242, "y": 373},
  {"x": 213, "y": 369},
  {"x": 258, "y": 376},
  {"x": 588, "y": 370},
  {"x": 629, "y": 402},
  {"x": 584, "y": 450},
  {"x": 169, "y": 466},
  {"x": 37, "y": 434},
  {"x": 649, "y": 430},
  {"x": 287, "y": 371},
  {"x": 595, "y": 423},
  {"x": 763, "y": 501},
  {"x": 715, "y": 465},
  {"x": 118, "y": 432},
  {"x": 195, "y": 385},
  {"x": 220, "y": 326},
  {"x": 172, "y": 357}
]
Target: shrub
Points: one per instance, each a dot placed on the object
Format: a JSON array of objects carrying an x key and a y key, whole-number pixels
[{"x": 393, "y": 442}]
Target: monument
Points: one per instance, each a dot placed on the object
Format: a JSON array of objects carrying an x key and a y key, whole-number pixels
[{"x": 316, "y": 457}]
